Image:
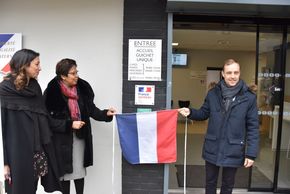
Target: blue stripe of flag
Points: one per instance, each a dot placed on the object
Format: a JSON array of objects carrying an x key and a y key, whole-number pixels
[
  {"x": 4, "y": 38},
  {"x": 127, "y": 126}
]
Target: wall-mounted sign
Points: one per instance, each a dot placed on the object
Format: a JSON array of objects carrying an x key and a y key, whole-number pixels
[
  {"x": 9, "y": 44},
  {"x": 144, "y": 63},
  {"x": 144, "y": 94},
  {"x": 144, "y": 110}
]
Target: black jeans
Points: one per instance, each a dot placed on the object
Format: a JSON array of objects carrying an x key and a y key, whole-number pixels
[
  {"x": 228, "y": 178},
  {"x": 79, "y": 185}
]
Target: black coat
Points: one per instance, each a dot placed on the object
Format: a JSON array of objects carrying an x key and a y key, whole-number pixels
[
  {"x": 231, "y": 135},
  {"x": 57, "y": 106},
  {"x": 25, "y": 120}
]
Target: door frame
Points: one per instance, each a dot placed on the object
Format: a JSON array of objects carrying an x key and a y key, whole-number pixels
[{"x": 245, "y": 20}]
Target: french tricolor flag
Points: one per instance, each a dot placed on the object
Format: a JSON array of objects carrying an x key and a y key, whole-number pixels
[{"x": 148, "y": 137}]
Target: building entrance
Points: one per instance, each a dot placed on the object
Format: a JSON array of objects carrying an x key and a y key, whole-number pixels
[{"x": 261, "y": 50}]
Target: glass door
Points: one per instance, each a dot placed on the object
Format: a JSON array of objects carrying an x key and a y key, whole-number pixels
[
  {"x": 267, "y": 64},
  {"x": 274, "y": 109},
  {"x": 283, "y": 179},
  {"x": 269, "y": 80}
]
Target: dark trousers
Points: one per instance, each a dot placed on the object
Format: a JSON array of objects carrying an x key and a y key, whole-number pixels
[
  {"x": 228, "y": 179},
  {"x": 79, "y": 185}
]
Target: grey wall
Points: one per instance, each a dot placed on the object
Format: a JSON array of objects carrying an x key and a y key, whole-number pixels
[{"x": 90, "y": 31}]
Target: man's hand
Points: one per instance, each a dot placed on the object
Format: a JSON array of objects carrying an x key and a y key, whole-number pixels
[
  {"x": 248, "y": 163},
  {"x": 184, "y": 111}
]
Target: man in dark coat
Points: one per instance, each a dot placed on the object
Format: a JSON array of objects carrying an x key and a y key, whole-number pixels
[{"x": 232, "y": 136}]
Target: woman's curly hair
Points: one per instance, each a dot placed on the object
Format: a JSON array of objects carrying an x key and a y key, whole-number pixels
[{"x": 19, "y": 61}]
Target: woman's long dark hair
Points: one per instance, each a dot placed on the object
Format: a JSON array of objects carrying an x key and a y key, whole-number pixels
[{"x": 19, "y": 61}]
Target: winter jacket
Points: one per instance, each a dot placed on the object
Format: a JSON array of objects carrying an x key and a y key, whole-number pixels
[
  {"x": 231, "y": 135},
  {"x": 57, "y": 106},
  {"x": 26, "y": 130}
]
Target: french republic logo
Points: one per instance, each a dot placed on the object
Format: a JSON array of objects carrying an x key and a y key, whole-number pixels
[{"x": 9, "y": 44}]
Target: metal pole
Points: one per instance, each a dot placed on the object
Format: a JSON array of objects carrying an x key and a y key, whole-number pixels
[
  {"x": 185, "y": 150},
  {"x": 168, "y": 89}
]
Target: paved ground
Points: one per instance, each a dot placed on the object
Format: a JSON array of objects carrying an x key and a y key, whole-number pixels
[{"x": 201, "y": 191}]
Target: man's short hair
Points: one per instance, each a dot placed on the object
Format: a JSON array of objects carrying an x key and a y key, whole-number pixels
[{"x": 229, "y": 62}]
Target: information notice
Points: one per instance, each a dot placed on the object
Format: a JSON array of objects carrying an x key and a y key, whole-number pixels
[{"x": 144, "y": 63}]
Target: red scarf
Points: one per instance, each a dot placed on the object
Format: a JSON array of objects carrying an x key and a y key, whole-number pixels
[{"x": 71, "y": 94}]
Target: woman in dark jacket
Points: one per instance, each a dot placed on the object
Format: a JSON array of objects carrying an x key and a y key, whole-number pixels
[
  {"x": 232, "y": 136},
  {"x": 28, "y": 151},
  {"x": 70, "y": 98}
]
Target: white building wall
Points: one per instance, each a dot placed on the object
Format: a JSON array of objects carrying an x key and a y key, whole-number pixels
[{"x": 91, "y": 32}]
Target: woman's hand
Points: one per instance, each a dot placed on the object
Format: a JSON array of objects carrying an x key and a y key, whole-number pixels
[
  {"x": 78, "y": 124},
  {"x": 7, "y": 173},
  {"x": 184, "y": 111},
  {"x": 111, "y": 111}
]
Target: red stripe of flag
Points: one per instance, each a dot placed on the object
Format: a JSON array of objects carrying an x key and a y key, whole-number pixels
[{"x": 166, "y": 133}]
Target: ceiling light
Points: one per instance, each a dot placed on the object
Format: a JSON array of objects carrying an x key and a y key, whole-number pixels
[{"x": 175, "y": 44}]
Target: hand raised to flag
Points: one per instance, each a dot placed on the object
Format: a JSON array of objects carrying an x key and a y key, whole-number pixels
[{"x": 184, "y": 111}]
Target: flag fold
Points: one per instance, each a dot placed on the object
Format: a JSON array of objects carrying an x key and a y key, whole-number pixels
[{"x": 148, "y": 137}]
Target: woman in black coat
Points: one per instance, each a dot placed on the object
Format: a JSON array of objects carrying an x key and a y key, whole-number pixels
[
  {"x": 70, "y": 98},
  {"x": 28, "y": 151}
]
